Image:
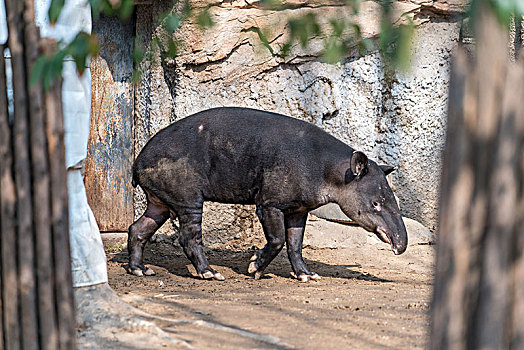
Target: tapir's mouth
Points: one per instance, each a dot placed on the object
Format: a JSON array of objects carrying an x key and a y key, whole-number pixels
[{"x": 384, "y": 236}]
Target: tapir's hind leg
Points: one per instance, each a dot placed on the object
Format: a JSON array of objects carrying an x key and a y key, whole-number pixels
[
  {"x": 141, "y": 230},
  {"x": 295, "y": 226},
  {"x": 191, "y": 241},
  {"x": 272, "y": 220}
]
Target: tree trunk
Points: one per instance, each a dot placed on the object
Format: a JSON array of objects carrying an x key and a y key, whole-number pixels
[
  {"x": 478, "y": 300},
  {"x": 36, "y": 305}
]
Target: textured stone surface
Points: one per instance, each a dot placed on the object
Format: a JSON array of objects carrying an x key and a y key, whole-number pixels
[
  {"x": 331, "y": 211},
  {"x": 399, "y": 119}
]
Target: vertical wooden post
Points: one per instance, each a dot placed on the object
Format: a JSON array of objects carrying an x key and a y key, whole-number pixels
[
  {"x": 59, "y": 218},
  {"x": 479, "y": 271},
  {"x": 41, "y": 196},
  {"x": 9, "y": 278},
  {"x": 36, "y": 285},
  {"x": 22, "y": 175}
]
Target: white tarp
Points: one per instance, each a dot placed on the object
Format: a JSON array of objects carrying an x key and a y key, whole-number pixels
[
  {"x": 87, "y": 251},
  {"x": 76, "y": 91}
]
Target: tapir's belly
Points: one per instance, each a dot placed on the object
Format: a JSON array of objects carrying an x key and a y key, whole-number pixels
[{"x": 232, "y": 183}]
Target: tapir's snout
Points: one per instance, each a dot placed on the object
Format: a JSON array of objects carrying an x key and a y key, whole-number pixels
[
  {"x": 397, "y": 238},
  {"x": 399, "y": 249}
]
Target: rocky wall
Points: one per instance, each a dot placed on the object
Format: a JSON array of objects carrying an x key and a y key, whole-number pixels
[{"x": 396, "y": 118}]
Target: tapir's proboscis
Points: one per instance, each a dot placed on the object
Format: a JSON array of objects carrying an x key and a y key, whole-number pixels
[{"x": 285, "y": 166}]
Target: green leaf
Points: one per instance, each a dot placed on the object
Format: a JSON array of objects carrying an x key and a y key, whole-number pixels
[
  {"x": 126, "y": 9},
  {"x": 262, "y": 37},
  {"x": 386, "y": 6},
  {"x": 138, "y": 53},
  {"x": 80, "y": 48},
  {"x": 172, "y": 22},
  {"x": 355, "y": 5},
  {"x": 54, "y": 10},
  {"x": 304, "y": 28},
  {"x": 365, "y": 46},
  {"x": 284, "y": 51},
  {"x": 356, "y": 30},
  {"x": 53, "y": 69},
  {"x": 38, "y": 71},
  {"x": 385, "y": 36},
  {"x": 204, "y": 19},
  {"x": 137, "y": 75},
  {"x": 403, "y": 50},
  {"x": 273, "y": 4},
  {"x": 100, "y": 6},
  {"x": 338, "y": 26},
  {"x": 334, "y": 50},
  {"x": 172, "y": 48},
  {"x": 519, "y": 8},
  {"x": 96, "y": 6}
]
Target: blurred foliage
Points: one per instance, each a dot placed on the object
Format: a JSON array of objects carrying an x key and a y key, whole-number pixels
[
  {"x": 342, "y": 35},
  {"x": 505, "y": 10},
  {"x": 204, "y": 19},
  {"x": 339, "y": 36},
  {"x": 49, "y": 66}
]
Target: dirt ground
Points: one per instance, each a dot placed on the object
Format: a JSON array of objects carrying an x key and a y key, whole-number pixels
[{"x": 368, "y": 298}]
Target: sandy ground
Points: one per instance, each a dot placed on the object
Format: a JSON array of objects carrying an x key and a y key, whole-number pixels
[{"x": 368, "y": 298}]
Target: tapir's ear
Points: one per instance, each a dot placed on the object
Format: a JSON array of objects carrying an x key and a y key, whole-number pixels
[
  {"x": 387, "y": 169},
  {"x": 359, "y": 164}
]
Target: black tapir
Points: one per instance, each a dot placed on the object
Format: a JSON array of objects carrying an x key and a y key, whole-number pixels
[{"x": 285, "y": 166}]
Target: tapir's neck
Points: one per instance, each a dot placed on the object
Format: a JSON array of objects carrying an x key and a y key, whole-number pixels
[
  {"x": 335, "y": 188},
  {"x": 332, "y": 192}
]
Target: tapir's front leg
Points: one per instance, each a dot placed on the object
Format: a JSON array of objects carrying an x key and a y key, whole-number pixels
[
  {"x": 191, "y": 241},
  {"x": 272, "y": 220},
  {"x": 295, "y": 226}
]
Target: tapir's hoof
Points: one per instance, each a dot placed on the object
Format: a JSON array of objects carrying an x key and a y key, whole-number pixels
[
  {"x": 315, "y": 277},
  {"x": 304, "y": 278},
  {"x": 218, "y": 276},
  {"x": 206, "y": 275},
  {"x": 253, "y": 267},
  {"x": 136, "y": 272},
  {"x": 149, "y": 272},
  {"x": 210, "y": 275},
  {"x": 141, "y": 271}
]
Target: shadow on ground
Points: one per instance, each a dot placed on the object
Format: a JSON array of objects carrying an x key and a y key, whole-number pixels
[{"x": 172, "y": 259}]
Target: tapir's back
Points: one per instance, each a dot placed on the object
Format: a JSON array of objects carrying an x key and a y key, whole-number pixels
[{"x": 231, "y": 154}]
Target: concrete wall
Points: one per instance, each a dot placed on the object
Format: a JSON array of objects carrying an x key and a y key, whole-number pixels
[{"x": 399, "y": 119}]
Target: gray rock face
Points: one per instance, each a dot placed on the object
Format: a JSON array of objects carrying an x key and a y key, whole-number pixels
[
  {"x": 325, "y": 234},
  {"x": 398, "y": 119},
  {"x": 331, "y": 212}
]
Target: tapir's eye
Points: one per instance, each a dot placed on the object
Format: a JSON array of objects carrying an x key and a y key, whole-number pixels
[{"x": 376, "y": 205}]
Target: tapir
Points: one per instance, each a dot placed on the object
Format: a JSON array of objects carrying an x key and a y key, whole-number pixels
[{"x": 284, "y": 166}]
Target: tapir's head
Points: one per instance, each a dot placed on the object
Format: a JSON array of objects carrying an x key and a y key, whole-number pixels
[{"x": 367, "y": 199}]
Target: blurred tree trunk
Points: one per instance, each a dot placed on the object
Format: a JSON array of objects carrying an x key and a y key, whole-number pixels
[
  {"x": 478, "y": 300},
  {"x": 36, "y": 304}
]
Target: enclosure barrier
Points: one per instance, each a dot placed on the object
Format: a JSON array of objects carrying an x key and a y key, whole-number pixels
[{"x": 36, "y": 304}]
